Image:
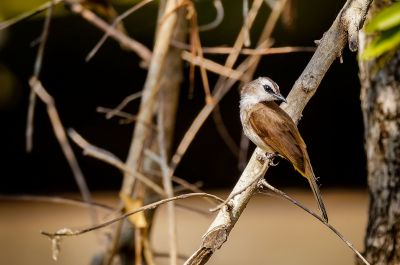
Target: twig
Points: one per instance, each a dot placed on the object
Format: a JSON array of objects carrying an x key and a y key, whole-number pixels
[
  {"x": 211, "y": 66},
  {"x": 127, "y": 117},
  {"x": 110, "y": 158},
  {"x": 113, "y": 25},
  {"x": 247, "y": 51},
  {"x": 62, "y": 139},
  {"x": 246, "y": 29},
  {"x": 330, "y": 48},
  {"x": 29, "y": 14},
  {"x": 264, "y": 184},
  {"x": 36, "y": 72},
  {"x": 69, "y": 232},
  {"x": 218, "y": 19},
  {"x": 52, "y": 199},
  {"x": 167, "y": 181},
  {"x": 264, "y": 39},
  {"x": 123, "y": 104},
  {"x": 141, "y": 50}
]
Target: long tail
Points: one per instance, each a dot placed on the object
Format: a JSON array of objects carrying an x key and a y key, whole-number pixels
[{"x": 317, "y": 195}]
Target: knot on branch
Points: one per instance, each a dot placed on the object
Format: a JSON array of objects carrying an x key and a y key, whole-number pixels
[
  {"x": 309, "y": 82},
  {"x": 215, "y": 238}
]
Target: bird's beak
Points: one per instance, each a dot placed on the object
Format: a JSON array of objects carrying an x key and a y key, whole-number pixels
[{"x": 280, "y": 97}]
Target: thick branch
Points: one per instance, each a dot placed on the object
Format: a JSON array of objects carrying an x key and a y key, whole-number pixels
[{"x": 330, "y": 47}]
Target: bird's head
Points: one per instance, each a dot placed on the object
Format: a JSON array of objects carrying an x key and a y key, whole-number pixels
[{"x": 260, "y": 90}]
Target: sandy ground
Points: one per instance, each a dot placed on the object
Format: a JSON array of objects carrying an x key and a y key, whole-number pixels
[{"x": 271, "y": 231}]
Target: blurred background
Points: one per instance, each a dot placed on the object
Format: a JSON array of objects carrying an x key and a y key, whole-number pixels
[{"x": 331, "y": 127}]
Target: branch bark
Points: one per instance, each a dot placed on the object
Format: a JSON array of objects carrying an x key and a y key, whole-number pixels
[
  {"x": 350, "y": 18},
  {"x": 380, "y": 100}
]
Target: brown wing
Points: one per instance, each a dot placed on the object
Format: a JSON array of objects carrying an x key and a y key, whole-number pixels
[{"x": 280, "y": 133}]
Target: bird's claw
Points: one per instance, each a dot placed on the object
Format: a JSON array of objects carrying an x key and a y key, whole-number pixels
[{"x": 262, "y": 157}]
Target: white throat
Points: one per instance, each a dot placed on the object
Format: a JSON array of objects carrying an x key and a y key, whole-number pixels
[{"x": 248, "y": 101}]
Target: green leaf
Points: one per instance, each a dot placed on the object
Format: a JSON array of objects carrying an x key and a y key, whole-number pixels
[
  {"x": 387, "y": 18},
  {"x": 385, "y": 42}
]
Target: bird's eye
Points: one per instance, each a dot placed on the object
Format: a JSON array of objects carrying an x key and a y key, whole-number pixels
[{"x": 268, "y": 89}]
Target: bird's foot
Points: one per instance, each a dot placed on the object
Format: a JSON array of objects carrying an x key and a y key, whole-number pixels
[{"x": 262, "y": 157}]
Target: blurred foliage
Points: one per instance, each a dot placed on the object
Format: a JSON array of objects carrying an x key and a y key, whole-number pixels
[
  {"x": 385, "y": 25},
  {"x": 11, "y": 8},
  {"x": 10, "y": 90}
]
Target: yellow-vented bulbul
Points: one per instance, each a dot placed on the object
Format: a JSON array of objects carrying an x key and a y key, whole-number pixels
[{"x": 273, "y": 131}]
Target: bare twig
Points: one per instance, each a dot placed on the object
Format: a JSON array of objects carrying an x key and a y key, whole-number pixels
[
  {"x": 167, "y": 182},
  {"x": 330, "y": 48},
  {"x": 246, "y": 29},
  {"x": 52, "y": 199},
  {"x": 66, "y": 232},
  {"x": 29, "y": 14},
  {"x": 246, "y": 51},
  {"x": 62, "y": 139},
  {"x": 127, "y": 117},
  {"x": 141, "y": 50},
  {"x": 264, "y": 184},
  {"x": 36, "y": 72},
  {"x": 218, "y": 19},
  {"x": 113, "y": 25},
  {"x": 123, "y": 104},
  {"x": 212, "y": 66},
  {"x": 110, "y": 158}
]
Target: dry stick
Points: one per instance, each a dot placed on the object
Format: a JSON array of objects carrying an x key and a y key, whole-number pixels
[
  {"x": 36, "y": 72},
  {"x": 247, "y": 51},
  {"x": 141, "y": 50},
  {"x": 123, "y": 104},
  {"x": 64, "y": 232},
  {"x": 52, "y": 199},
  {"x": 128, "y": 118},
  {"x": 211, "y": 66},
  {"x": 109, "y": 158},
  {"x": 331, "y": 45},
  {"x": 113, "y": 25},
  {"x": 62, "y": 139},
  {"x": 150, "y": 90},
  {"x": 167, "y": 183},
  {"x": 196, "y": 49},
  {"x": 246, "y": 29},
  {"x": 218, "y": 18},
  {"x": 24, "y": 16},
  {"x": 266, "y": 35},
  {"x": 264, "y": 184}
]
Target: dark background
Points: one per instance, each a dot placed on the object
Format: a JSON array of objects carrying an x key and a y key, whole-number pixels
[{"x": 331, "y": 126}]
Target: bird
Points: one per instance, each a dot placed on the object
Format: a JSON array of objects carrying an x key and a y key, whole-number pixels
[{"x": 272, "y": 130}]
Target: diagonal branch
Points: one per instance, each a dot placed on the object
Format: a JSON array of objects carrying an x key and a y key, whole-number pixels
[
  {"x": 330, "y": 48},
  {"x": 265, "y": 185},
  {"x": 61, "y": 136},
  {"x": 36, "y": 72}
]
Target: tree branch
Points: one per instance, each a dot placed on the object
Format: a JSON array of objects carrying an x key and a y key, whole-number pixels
[{"x": 330, "y": 48}]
